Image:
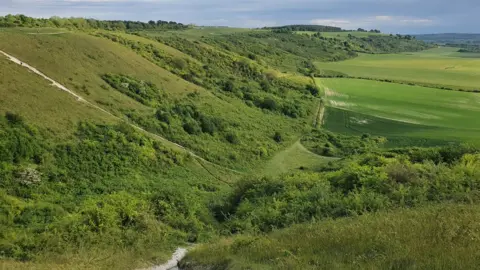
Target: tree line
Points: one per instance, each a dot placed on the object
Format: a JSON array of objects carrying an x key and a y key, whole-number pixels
[
  {"x": 83, "y": 23},
  {"x": 315, "y": 28}
]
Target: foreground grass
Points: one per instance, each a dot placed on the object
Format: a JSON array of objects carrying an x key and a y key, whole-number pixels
[
  {"x": 106, "y": 258},
  {"x": 440, "y": 66},
  {"x": 434, "y": 237}
]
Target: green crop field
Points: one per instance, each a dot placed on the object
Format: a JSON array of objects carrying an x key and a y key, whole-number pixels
[
  {"x": 439, "y": 66},
  {"x": 400, "y": 110}
]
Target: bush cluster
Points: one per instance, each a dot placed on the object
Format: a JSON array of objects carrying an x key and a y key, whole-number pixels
[{"x": 365, "y": 183}]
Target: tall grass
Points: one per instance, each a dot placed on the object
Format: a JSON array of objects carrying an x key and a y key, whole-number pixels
[{"x": 434, "y": 237}]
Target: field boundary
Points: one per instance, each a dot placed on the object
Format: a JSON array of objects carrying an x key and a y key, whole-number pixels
[
  {"x": 410, "y": 83},
  {"x": 319, "y": 117}
]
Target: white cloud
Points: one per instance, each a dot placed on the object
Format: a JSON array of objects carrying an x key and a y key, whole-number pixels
[
  {"x": 379, "y": 21},
  {"x": 383, "y": 18},
  {"x": 332, "y": 22}
]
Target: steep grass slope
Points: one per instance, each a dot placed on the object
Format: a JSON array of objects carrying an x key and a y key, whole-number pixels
[{"x": 41, "y": 104}]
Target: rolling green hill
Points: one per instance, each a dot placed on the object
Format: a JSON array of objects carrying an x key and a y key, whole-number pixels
[{"x": 143, "y": 137}]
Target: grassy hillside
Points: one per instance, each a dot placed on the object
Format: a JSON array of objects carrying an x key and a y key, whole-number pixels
[
  {"x": 43, "y": 105},
  {"x": 287, "y": 51},
  {"x": 435, "y": 237},
  {"x": 79, "y": 61}
]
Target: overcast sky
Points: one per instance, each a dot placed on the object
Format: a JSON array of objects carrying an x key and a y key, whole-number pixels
[{"x": 393, "y": 16}]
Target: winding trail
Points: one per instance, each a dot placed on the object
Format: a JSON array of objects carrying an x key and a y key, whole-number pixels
[{"x": 81, "y": 99}]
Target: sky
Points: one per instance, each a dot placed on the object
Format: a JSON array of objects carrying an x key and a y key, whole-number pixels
[{"x": 390, "y": 16}]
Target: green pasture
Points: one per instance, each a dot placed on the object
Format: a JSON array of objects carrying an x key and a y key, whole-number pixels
[
  {"x": 438, "y": 66},
  {"x": 364, "y": 106}
]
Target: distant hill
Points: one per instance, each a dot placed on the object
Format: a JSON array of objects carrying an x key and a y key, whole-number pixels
[
  {"x": 444, "y": 38},
  {"x": 300, "y": 27},
  {"x": 318, "y": 28}
]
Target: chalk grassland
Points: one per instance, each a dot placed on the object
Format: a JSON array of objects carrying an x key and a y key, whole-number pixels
[
  {"x": 31, "y": 96},
  {"x": 400, "y": 110},
  {"x": 439, "y": 66}
]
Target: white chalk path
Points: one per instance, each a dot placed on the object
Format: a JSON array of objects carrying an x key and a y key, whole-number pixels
[
  {"x": 81, "y": 99},
  {"x": 177, "y": 256}
]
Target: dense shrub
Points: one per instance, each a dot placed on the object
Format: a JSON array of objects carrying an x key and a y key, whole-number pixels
[
  {"x": 144, "y": 92},
  {"x": 94, "y": 190},
  {"x": 232, "y": 138},
  {"x": 277, "y": 137},
  {"x": 326, "y": 143},
  {"x": 358, "y": 186}
]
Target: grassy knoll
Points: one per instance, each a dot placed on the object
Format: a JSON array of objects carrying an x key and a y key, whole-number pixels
[
  {"x": 434, "y": 237},
  {"x": 293, "y": 158},
  {"x": 400, "y": 110},
  {"x": 439, "y": 66}
]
